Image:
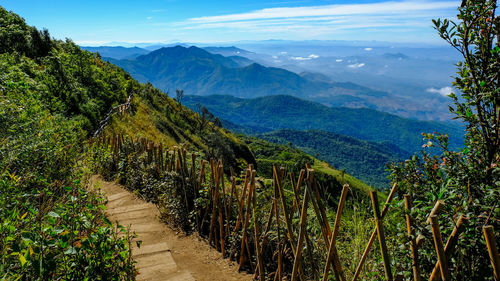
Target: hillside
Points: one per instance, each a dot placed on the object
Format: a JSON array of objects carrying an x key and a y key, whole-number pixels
[
  {"x": 268, "y": 153},
  {"x": 287, "y": 112},
  {"x": 117, "y": 52},
  {"x": 362, "y": 159},
  {"x": 53, "y": 96},
  {"x": 197, "y": 71},
  {"x": 202, "y": 73}
]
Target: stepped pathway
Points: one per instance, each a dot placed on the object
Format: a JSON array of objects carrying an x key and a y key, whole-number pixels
[{"x": 164, "y": 254}]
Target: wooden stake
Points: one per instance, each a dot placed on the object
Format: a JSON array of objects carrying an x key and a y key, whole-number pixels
[
  {"x": 438, "y": 207},
  {"x": 280, "y": 251},
  {"x": 215, "y": 200},
  {"x": 302, "y": 233},
  {"x": 325, "y": 227},
  {"x": 260, "y": 262},
  {"x": 381, "y": 236},
  {"x": 411, "y": 235},
  {"x": 242, "y": 200},
  {"x": 450, "y": 245},
  {"x": 247, "y": 218},
  {"x": 489, "y": 235},
  {"x": 221, "y": 182},
  {"x": 438, "y": 243},
  {"x": 280, "y": 192},
  {"x": 332, "y": 245},
  {"x": 374, "y": 234}
]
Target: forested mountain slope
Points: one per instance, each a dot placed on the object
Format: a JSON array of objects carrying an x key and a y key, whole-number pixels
[
  {"x": 363, "y": 159},
  {"x": 287, "y": 112}
]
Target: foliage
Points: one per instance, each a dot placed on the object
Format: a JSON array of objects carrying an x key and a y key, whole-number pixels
[
  {"x": 467, "y": 180},
  {"x": 51, "y": 95},
  {"x": 365, "y": 160},
  {"x": 265, "y": 114}
]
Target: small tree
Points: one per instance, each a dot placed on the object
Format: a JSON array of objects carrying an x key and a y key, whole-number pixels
[
  {"x": 468, "y": 180},
  {"x": 179, "y": 95}
]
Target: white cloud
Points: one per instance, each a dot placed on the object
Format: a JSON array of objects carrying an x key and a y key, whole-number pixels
[
  {"x": 403, "y": 18},
  {"x": 310, "y": 57},
  {"x": 368, "y": 49},
  {"x": 149, "y": 18},
  {"x": 356, "y": 65},
  {"x": 283, "y": 53},
  {"x": 442, "y": 91},
  {"x": 339, "y": 60},
  {"x": 390, "y": 7},
  {"x": 300, "y": 58}
]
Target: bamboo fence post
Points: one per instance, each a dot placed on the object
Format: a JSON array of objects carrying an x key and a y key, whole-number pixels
[
  {"x": 215, "y": 200},
  {"x": 317, "y": 212},
  {"x": 296, "y": 192},
  {"x": 321, "y": 209},
  {"x": 450, "y": 245},
  {"x": 260, "y": 263},
  {"x": 230, "y": 205},
  {"x": 381, "y": 236},
  {"x": 294, "y": 202},
  {"x": 221, "y": 182},
  {"x": 242, "y": 200},
  {"x": 221, "y": 219},
  {"x": 489, "y": 236},
  {"x": 182, "y": 162},
  {"x": 411, "y": 236},
  {"x": 280, "y": 252},
  {"x": 438, "y": 243},
  {"x": 374, "y": 234},
  {"x": 247, "y": 218},
  {"x": 193, "y": 169},
  {"x": 336, "y": 226},
  {"x": 420, "y": 240},
  {"x": 302, "y": 233},
  {"x": 325, "y": 228},
  {"x": 239, "y": 202},
  {"x": 276, "y": 183},
  {"x": 280, "y": 192},
  {"x": 438, "y": 207}
]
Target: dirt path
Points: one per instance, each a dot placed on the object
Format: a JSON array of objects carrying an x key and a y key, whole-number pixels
[{"x": 164, "y": 254}]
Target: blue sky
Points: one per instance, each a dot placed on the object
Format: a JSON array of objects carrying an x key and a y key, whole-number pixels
[{"x": 94, "y": 22}]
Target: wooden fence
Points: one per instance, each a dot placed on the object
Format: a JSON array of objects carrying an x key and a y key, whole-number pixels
[{"x": 231, "y": 218}]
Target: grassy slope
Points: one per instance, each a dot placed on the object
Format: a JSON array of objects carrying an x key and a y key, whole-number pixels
[{"x": 159, "y": 118}]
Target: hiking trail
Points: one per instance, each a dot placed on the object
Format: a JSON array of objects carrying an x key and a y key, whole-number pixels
[{"x": 165, "y": 254}]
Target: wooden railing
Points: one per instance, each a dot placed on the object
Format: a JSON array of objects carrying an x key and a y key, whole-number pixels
[{"x": 231, "y": 219}]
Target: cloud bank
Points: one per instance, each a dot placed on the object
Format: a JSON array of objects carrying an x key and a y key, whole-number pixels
[
  {"x": 318, "y": 21},
  {"x": 442, "y": 91}
]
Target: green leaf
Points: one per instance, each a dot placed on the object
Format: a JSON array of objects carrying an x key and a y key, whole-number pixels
[
  {"x": 53, "y": 215},
  {"x": 70, "y": 251},
  {"x": 22, "y": 259}
]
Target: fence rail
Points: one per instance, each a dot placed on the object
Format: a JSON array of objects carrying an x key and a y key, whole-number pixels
[{"x": 231, "y": 218}]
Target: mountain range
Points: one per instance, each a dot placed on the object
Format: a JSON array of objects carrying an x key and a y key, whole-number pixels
[
  {"x": 264, "y": 114},
  {"x": 199, "y": 72}
]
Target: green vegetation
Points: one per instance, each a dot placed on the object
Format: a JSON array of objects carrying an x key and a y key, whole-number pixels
[
  {"x": 52, "y": 95},
  {"x": 157, "y": 117},
  {"x": 468, "y": 180},
  {"x": 364, "y": 160},
  {"x": 267, "y": 154},
  {"x": 287, "y": 112}
]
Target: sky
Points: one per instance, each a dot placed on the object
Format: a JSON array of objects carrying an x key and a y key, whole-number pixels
[{"x": 95, "y": 22}]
